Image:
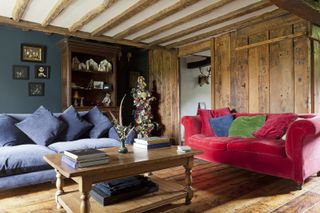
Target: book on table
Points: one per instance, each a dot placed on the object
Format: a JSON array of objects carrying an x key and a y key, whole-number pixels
[
  {"x": 151, "y": 146},
  {"x": 84, "y": 154},
  {"x": 152, "y": 140},
  {"x": 84, "y": 163}
]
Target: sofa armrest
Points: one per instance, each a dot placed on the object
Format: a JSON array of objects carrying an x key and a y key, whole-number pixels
[
  {"x": 192, "y": 126},
  {"x": 303, "y": 146}
]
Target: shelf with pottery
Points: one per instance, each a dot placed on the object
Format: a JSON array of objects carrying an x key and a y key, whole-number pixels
[{"x": 89, "y": 73}]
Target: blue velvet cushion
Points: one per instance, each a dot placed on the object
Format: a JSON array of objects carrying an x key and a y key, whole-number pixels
[
  {"x": 220, "y": 125},
  {"x": 23, "y": 158},
  {"x": 86, "y": 143},
  {"x": 76, "y": 126},
  {"x": 10, "y": 135},
  {"x": 129, "y": 140},
  {"x": 42, "y": 126},
  {"x": 101, "y": 123}
]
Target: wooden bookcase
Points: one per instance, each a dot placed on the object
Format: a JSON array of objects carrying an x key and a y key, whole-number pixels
[{"x": 76, "y": 82}]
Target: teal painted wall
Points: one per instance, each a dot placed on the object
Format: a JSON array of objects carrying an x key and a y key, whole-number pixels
[{"x": 14, "y": 96}]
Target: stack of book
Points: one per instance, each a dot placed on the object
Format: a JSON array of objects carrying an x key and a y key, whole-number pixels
[
  {"x": 84, "y": 158},
  {"x": 151, "y": 142}
]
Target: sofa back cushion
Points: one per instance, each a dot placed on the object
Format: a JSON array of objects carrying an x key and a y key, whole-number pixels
[
  {"x": 244, "y": 126},
  {"x": 206, "y": 114},
  {"x": 220, "y": 125},
  {"x": 101, "y": 123},
  {"x": 275, "y": 126},
  {"x": 75, "y": 125},
  {"x": 42, "y": 126},
  {"x": 10, "y": 135}
]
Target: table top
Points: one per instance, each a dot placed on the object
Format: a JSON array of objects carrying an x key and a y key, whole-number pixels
[{"x": 118, "y": 161}]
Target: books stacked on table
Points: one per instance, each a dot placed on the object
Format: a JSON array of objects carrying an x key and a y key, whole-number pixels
[
  {"x": 118, "y": 190},
  {"x": 183, "y": 149},
  {"x": 84, "y": 158},
  {"x": 152, "y": 142}
]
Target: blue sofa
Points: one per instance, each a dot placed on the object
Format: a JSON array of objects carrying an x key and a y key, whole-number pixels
[{"x": 23, "y": 165}]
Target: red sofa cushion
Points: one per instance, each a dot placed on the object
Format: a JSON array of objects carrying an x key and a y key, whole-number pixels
[
  {"x": 263, "y": 146},
  {"x": 206, "y": 114},
  {"x": 216, "y": 143},
  {"x": 275, "y": 126}
]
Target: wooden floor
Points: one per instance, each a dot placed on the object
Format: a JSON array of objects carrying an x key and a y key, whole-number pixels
[{"x": 218, "y": 188}]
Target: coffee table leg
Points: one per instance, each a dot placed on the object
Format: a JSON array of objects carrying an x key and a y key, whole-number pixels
[
  {"x": 84, "y": 189},
  {"x": 59, "y": 185},
  {"x": 188, "y": 180}
]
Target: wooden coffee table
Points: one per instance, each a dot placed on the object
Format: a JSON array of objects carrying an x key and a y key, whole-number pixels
[{"x": 137, "y": 161}]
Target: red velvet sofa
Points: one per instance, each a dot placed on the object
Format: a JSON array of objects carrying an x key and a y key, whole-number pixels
[{"x": 296, "y": 158}]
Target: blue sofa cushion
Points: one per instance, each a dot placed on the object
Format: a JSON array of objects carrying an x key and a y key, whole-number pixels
[
  {"x": 76, "y": 126},
  {"x": 42, "y": 126},
  {"x": 101, "y": 123},
  {"x": 10, "y": 135},
  {"x": 220, "y": 125},
  {"x": 129, "y": 140},
  {"x": 86, "y": 143},
  {"x": 23, "y": 158}
]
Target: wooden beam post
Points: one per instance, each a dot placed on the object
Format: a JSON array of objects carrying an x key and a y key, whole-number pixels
[
  {"x": 55, "y": 11},
  {"x": 19, "y": 9}
]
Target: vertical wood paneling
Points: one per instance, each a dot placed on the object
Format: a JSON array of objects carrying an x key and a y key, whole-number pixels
[
  {"x": 281, "y": 72},
  {"x": 301, "y": 71},
  {"x": 164, "y": 78},
  {"x": 222, "y": 71},
  {"x": 259, "y": 74},
  {"x": 316, "y": 71},
  {"x": 213, "y": 71},
  {"x": 239, "y": 74}
]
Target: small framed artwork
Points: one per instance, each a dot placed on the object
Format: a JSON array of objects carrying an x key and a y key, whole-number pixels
[
  {"x": 36, "y": 89},
  {"x": 98, "y": 84},
  {"x": 20, "y": 72},
  {"x": 42, "y": 72},
  {"x": 33, "y": 53}
]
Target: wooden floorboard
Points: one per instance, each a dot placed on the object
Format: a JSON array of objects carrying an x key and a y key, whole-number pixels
[{"x": 217, "y": 187}]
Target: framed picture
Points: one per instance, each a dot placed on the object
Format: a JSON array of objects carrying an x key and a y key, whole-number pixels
[
  {"x": 36, "y": 89},
  {"x": 98, "y": 84},
  {"x": 33, "y": 53},
  {"x": 20, "y": 72},
  {"x": 42, "y": 72}
]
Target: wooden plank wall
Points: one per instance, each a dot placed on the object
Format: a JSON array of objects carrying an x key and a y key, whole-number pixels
[
  {"x": 273, "y": 77},
  {"x": 315, "y": 63},
  {"x": 164, "y": 79}
]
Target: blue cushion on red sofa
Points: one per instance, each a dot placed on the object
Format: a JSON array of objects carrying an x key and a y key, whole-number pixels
[{"x": 220, "y": 125}]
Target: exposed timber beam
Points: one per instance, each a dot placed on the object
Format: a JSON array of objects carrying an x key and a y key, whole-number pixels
[
  {"x": 66, "y": 32},
  {"x": 194, "y": 48},
  {"x": 131, "y": 11},
  {"x": 19, "y": 9},
  {"x": 55, "y": 11},
  {"x": 306, "y": 9},
  {"x": 235, "y": 14},
  {"x": 156, "y": 17},
  {"x": 91, "y": 15},
  {"x": 183, "y": 20},
  {"x": 229, "y": 28}
]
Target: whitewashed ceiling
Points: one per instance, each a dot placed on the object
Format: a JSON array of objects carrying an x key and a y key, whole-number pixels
[{"x": 145, "y": 23}]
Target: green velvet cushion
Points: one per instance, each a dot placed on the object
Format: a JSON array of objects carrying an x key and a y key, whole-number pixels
[{"x": 244, "y": 126}]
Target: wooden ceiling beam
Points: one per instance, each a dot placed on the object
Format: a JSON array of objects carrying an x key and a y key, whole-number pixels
[
  {"x": 128, "y": 13},
  {"x": 19, "y": 9},
  {"x": 156, "y": 17},
  {"x": 182, "y": 20},
  {"x": 235, "y": 14},
  {"x": 306, "y": 9},
  {"x": 55, "y": 11},
  {"x": 66, "y": 32},
  {"x": 91, "y": 15},
  {"x": 229, "y": 28}
]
